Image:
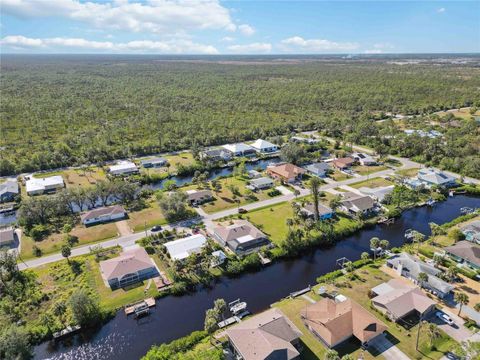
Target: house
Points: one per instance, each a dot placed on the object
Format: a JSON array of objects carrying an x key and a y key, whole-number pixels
[
  {"x": 36, "y": 186},
  {"x": 410, "y": 267},
  {"x": 431, "y": 176},
  {"x": 260, "y": 183},
  {"x": 241, "y": 237},
  {"x": 396, "y": 299},
  {"x": 432, "y": 134},
  {"x": 269, "y": 335},
  {"x": 285, "y": 172},
  {"x": 377, "y": 193},
  {"x": 102, "y": 215},
  {"x": 217, "y": 154},
  {"x": 364, "y": 159},
  {"x": 343, "y": 163},
  {"x": 7, "y": 236},
  {"x": 254, "y": 174},
  {"x": 218, "y": 258},
  {"x": 197, "y": 197},
  {"x": 130, "y": 267},
  {"x": 154, "y": 162},
  {"x": 239, "y": 149},
  {"x": 123, "y": 168},
  {"x": 357, "y": 204},
  {"x": 8, "y": 190},
  {"x": 334, "y": 321},
  {"x": 324, "y": 212},
  {"x": 465, "y": 252},
  {"x": 472, "y": 231},
  {"x": 319, "y": 169},
  {"x": 264, "y": 147},
  {"x": 182, "y": 248},
  {"x": 308, "y": 141}
]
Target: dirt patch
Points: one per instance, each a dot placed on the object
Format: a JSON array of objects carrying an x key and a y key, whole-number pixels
[{"x": 123, "y": 228}]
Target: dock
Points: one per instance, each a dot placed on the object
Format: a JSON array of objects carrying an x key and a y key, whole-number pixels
[
  {"x": 140, "y": 308},
  {"x": 300, "y": 292},
  {"x": 67, "y": 331},
  {"x": 386, "y": 221},
  {"x": 264, "y": 260},
  {"x": 228, "y": 322}
]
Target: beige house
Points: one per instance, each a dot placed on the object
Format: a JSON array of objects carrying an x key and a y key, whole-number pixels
[
  {"x": 335, "y": 320},
  {"x": 240, "y": 236},
  {"x": 269, "y": 335},
  {"x": 7, "y": 236}
]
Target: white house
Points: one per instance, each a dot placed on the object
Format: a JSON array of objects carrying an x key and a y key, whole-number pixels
[
  {"x": 319, "y": 169},
  {"x": 104, "y": 214},
  {"x": 36, "y": 186},
  {"x": 239, "y": 149},
  {"x": 154, "y": 162},
  {"x": 364, "y": 159},
  {"x": 182, "y": 248},
  {"x": 263, "y": 146},
  {"x": 123, "y": 168}
]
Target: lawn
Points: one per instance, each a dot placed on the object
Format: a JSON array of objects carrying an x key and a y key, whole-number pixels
[
  {"x": 184, "y": 158},
  {"x": 463, "y": 113},
  {"x": 338, "y": 176},
  {"x": 149, "y": 217},
  {"x": 372, "y": 183},
  {"x": 408, "y": 172},
  {"x": 54, "y": 242},
  {"x": 77, "y": 177},
  {"x": 358, "y": 290},
  {"x": 367, "y": 170},
  {"x": 225, "y": 200}
]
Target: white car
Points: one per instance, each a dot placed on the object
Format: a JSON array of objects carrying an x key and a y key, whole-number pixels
[{"x": 444, "y": 317}]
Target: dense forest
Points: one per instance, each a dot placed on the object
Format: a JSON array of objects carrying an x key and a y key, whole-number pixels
[{"x": 59, "y": 111}]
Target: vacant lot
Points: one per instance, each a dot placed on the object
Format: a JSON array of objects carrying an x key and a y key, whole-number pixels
[
  {"x": 372, "y": 183},
  {"x": 366, "y": 170},
  {"x": 339, "y": 176},
  {"x": 77, "y": 177},
  {"x": 148, "y": 217},
  {"x": 408, "y": 172},
  {"x": 184, "y": 158},
  {"x": 54, "y": 242}
]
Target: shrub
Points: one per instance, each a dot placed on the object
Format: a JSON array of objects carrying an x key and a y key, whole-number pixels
[
  {"x": 273, "y": 193},
  {"x": 456, "y": 235},
  {"x": 39, "y": 232}
]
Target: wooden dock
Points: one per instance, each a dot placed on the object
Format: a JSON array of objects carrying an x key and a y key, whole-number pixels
[
  {"x": 67, "y": 331},
  {"x": 227, "y": 322},
  {"x": 300, "y": 292},
  {"x": 264, "y": 260},
  {"x": 144, "y": 304}
]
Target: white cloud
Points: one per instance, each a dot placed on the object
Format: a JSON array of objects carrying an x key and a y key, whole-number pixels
[
  {"x": 441, "y": 10},
  {"x": 246, "y": 30},
  {"x": 178, "y": 46},
  {"x": 158, "y": 16},
  {"x": 228, "y": 39},
  {"x": 254, "y": 48},
  {"x": 373, "y": 51},
  {"x": 299, "y": 44}
]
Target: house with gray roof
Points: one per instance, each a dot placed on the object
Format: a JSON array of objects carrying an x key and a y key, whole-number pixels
[
  {"x": 216, "y": 154},
  {"x": 197, "y": 197},
  {"x": 324, "y": 212},
  {"x": 7, "y": 236},
  {"x": 319, "y": 169},
  {"x": 410, "y": 267},
  {"x": 356, "y": 204},
  {"x": 465, "y": 252},
  {"x": 9, "y": 190},
  {"x": 378, "y": 193},
  {"x": 260, "y": 183},
  {"x": 240, "y": 236},
  {"x": 103, "y": 215},
  {"x": 430, "y": 177},
  {"x": 154, "y": 162},
  {"x": 269, "y": 335}
]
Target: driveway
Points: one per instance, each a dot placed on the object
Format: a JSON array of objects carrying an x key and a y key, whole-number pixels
[
  {"x": 457, "y": 331},
  {"x": 387, "y": 349}
]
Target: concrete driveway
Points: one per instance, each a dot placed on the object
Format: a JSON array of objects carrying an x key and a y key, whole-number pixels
[
  {"x": 387, "y": 349},
  {"x": 457, "y": 332}
]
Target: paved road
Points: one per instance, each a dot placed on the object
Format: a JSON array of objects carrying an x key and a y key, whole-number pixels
[{"x": 458, "y": 332}]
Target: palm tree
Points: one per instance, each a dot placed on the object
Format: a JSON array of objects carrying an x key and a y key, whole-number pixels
[
  {"x": 365, "y": 256},
  {"x": 422, "y": 278},
  {"x": 384, "y": 244},
  {"x": 289, "y": 223},
  {"x": 314, "y": 187},
  {"x": 66, "y": 252},
  {"x": 374, "y": 243},
  {"x": 331, "y": 355},
  {"x": 461, "y": 299},
  {"x": 433, "y": 333},
  {"x": 418, "y": 237}
]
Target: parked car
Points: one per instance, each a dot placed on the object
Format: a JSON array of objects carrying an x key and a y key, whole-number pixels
[
  {"x": 242, "y": 211},
  {"x": 156, "y": 228},
  {"x": 444, "y": 317}
]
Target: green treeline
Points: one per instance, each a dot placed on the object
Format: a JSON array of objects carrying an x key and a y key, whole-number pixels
[{"x": 66, "y": 111}]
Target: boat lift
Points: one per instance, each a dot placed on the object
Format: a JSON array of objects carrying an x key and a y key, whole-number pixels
[{"x": 236, "y": 307}]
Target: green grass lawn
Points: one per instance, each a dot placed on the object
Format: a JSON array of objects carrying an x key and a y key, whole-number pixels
[
  {"x": 372, "y": 183},
  {"x": 149, "y": 217},
  {"x": 225, "y": 199},
  {"x": 339, "y": 176},
  {"x": 366, "y": 170},
  {"x": 407, "y": 172},
  {"x": 77, "y": 177},
  {"x": 184, "y": 158},
  {"x": 54, "y": 242}
]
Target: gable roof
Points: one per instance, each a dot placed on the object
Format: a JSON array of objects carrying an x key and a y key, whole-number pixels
[
  {"x": 183, "y": 248},
  {"x": 104, "y": 211},
  {"x": 400, "y": 298},
  {"x": 378, "y": 192},
  {"x": 466, "y": 250},
  {"x": 318, "y": 167},
  {"x": 124, "y": 165},
  {"x": 287, "y": 171},
  {"x": 268, "y": 335},
  {"x": 154, "y": 160},
  {"x": 360, "y": 202},
  {"x": 344, "y": 162},
  {"x": 434, "y": 176},
  {"x": 238, "y": 229},
  {"x": 261, "y": 181},
  {"x": 262, "y": 144},
  {"x": 336, "y": 321},
  {"x": 35, "y": 184},
  {"x": 9, "y": 186},
  {"x": 129, "y": 261},
  {"x": 194, "y": 195},
  {"x": 237, "y": 148},
  {"x": 7, "y": 234},
  {"x": 322, "y": 209}
]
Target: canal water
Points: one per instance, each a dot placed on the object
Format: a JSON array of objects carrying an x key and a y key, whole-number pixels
[{"x": 174, "y": 317}]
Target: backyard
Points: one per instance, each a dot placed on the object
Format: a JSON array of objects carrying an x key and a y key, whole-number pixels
[
  {"x": 84, "y": 177},
  {"x": 372, "y": 183}
]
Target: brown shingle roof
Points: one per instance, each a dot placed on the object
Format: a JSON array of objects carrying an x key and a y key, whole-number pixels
[
  {"x": 287, "y": 171},
  {"x": 128, "y": 262},
  {"x": 238, "y": 229},
  {"x": 343, "y": 162},
  {"x": 268, "y": 335},
  {"x": 336, "y": 321}
]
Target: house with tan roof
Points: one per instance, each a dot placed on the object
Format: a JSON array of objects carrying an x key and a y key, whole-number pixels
[
  {"x": 356, "y": 204},
  {"x": 240, "y": 236},
  {"x": 269, "y": 335},
  {"x": 465, "y": 252},
  {"x": 285, "y": 172},
  {"x": 102, "y": 215},
  {"x": 132, "y": 266},
  {"x": 335, "y": 321},
  {"x": 398, "y": 299},
  {"x": 197, "y": 197},
  {"x": 343, "y": 163}
]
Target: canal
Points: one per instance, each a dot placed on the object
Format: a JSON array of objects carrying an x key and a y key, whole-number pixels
[{"x": 174, "y": 317}]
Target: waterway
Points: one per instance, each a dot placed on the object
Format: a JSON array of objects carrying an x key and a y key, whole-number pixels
[{"x": 174, "y": 317}]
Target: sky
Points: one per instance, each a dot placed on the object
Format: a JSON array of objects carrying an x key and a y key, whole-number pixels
[{"x": 239, "y": 27}]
